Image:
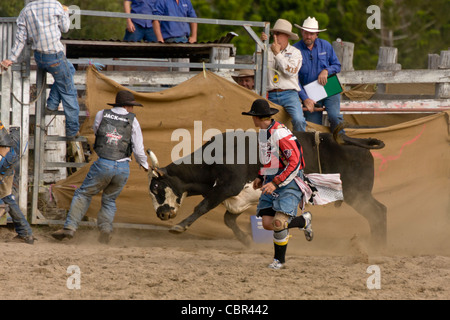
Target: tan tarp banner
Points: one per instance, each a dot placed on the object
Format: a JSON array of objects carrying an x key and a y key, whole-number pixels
[{"x": 412, "y": 171}]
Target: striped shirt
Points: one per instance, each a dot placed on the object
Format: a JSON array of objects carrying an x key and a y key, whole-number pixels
[{"x": 41, "y": 22}]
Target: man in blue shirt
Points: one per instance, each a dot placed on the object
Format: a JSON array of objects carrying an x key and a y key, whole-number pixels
[
  {"x": 319, "y": 61},
  {"x": 139, "y": 29},
  {"x": 172, "y": 31}
]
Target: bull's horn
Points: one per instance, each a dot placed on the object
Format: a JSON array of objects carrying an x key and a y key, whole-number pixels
[{"x": 153, "y": 159}]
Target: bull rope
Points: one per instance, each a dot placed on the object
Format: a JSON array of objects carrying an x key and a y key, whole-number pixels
[{"x": 317, "y": 140}]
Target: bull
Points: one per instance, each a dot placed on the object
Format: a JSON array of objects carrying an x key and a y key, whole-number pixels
[{"x": 230, "y": 182}]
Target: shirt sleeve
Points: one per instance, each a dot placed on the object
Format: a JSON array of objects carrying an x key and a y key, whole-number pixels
[
  {"x": 191, "y": 13},
  {"x": 21, "y": 37},
  {"x": 289, "y": 65},
  {"x": 158, "y": 8},
  {"x": 302, "y": 93},
  {"x": 64, "y": 20},
  {"x": 333, "y": 61},
  {"x": 138, "y": 144},
  {"x": 98, "y": 119}
]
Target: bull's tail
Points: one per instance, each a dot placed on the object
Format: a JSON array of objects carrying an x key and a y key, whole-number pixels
[{"x": 367, "y": 143}]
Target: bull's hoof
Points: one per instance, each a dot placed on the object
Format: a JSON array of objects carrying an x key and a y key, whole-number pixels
[
  {"x": 177, "y": 229},
  {"x": 246, "y": 241}
]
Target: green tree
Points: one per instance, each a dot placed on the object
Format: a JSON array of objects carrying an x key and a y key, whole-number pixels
[
  {"x": 11, "y": 8},
  {"x": 226, "y": 10},
  {"x": 415, "y": 27},
  {"x": 99, "y": 28}
]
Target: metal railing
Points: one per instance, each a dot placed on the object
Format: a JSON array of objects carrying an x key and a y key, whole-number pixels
[{"x": 260, "y": 60}]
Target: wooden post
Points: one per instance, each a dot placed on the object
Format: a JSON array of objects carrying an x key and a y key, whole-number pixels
[
  {"x": 387, "y": 60},
  {"x": 344, "y": 51},
  {"x": 433, "y": 61},
  {"x": 41, "y": 80},
  {"x": 443, "y": 89},
  {"x": 220, "y": 56},
  {"x": 180, "y": 60},
  {"x": 5, "y": 85}
]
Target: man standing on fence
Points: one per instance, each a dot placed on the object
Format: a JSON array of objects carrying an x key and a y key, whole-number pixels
[
  {"x": 319, "y": 62},
  {"x": 42, "y": 22}
]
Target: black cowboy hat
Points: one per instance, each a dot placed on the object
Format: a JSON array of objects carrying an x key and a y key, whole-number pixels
[
  {"x": 261, "y": 108},
  {"x": 125, "y": 98}
]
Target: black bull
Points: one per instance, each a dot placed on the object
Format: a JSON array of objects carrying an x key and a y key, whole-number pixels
[{"x": 230, "y": 182}]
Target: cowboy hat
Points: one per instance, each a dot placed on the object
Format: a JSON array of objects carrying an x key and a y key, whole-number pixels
[
  {"x": 261, "y": 108},
  {"x": 125, "y": 98},
  {"x": 243, "y": 74},
  {"x": 310, "y": 25},
  {"x": 285, "y": 27}
]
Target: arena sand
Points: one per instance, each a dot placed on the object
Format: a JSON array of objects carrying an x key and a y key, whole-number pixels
[{"x": 157, "y": 265}]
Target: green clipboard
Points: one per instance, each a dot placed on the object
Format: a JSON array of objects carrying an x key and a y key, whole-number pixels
[{"x": 317, "y": 92}]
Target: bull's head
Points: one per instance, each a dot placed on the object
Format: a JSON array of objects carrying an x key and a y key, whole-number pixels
[{"x": 166, "y": 197}]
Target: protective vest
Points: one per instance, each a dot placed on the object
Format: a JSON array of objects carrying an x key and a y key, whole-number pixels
[
  {"x": 280, "y": 149},
  {"x": 113, "y": 137}
]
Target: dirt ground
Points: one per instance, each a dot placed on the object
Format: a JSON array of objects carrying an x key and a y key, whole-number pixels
[{"x": 157, "y": 265}]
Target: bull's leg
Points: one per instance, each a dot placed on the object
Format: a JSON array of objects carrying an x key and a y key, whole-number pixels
[
  {"x": 376, "y": 214},
  {"x": 217, "y": 195},
  {"x": 230, "y": 221},
  {"x": 199, "y": 210}
]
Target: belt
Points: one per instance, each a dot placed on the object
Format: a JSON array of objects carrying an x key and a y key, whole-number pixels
[
  {"x": 56, "y": 55},
  {"x": 280, "y": 90}
]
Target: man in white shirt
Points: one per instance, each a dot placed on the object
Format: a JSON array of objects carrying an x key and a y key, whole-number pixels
[
  {"x": 117, "y": 135},
  {"x": 42, "y": 22},
  {"x": 284, "y": 63}
]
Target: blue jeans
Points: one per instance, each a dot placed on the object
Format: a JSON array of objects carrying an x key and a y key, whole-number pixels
[
  {"x": 63, "y": 89},
  {"x": 290, "y": 101},
  {"x": 332, "y": 106},
  {"x": 21, "y": 224},
  {"x": 285, "y": 199},
  {"x": 141, "y": 33},
  {"x": 104, "y": 175},
  {"x": 183, "y": 39}
]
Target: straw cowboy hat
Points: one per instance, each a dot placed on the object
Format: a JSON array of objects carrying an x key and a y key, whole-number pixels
[
  {"x": 284, "y": 26},
  {"x": 261, "y": 108},
  {"x": 310, "y": 25},
  {"x": 125, "y": 99},
  {"x": 243, "y": 74}
]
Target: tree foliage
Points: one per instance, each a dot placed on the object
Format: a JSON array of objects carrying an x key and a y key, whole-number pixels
[{"x": 415, "y": 27}]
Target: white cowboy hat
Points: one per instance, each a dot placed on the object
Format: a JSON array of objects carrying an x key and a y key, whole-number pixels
[
  {"x": 310, "y": 25},
  {"x": 285, "y": 26}
]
